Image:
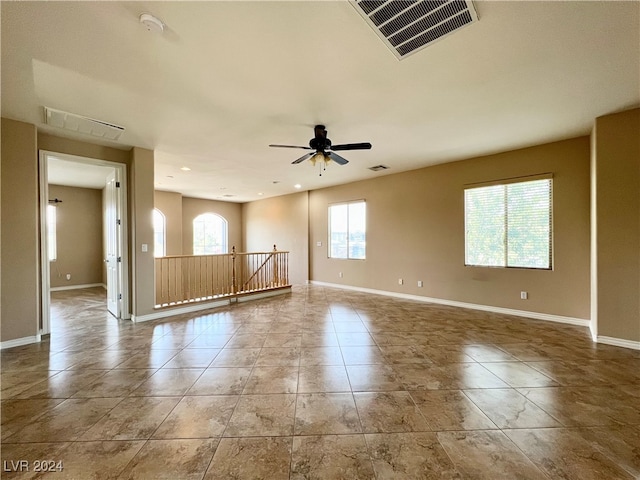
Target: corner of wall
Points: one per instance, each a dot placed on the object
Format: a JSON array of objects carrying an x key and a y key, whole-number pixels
[
  {"x": 142, "y": 191},
  {"x": 19, "y": 204}
]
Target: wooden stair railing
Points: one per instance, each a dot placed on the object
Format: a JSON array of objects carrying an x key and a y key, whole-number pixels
[{"x": 192, "y": 278}]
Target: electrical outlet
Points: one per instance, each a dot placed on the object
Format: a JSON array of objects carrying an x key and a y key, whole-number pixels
[
  {"x": 340, "y": 274},
  {"x": 68, "y": 276},
  {"x": 400, "y": 281},
  {"x": 420, "y": 283},
  {"x": 145, "y": 247},
  {"x": 524, "y": 295},
  {"x": 318, "y": 244}
]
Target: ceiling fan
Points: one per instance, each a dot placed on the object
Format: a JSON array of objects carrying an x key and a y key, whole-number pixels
[{"x": 324, "y": 150}]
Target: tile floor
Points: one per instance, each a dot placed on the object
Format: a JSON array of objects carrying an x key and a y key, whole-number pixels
[{"x": 318, "y": 384}]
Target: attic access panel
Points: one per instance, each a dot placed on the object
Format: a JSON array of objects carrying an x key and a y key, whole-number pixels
[{"x": 408, "y": 26}]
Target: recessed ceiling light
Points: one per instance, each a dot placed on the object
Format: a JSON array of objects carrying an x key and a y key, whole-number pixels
[
  {"x": 297, "y": 185},
  {"x": 185, "y": 169},
  {"x": 260, "y": 193}
]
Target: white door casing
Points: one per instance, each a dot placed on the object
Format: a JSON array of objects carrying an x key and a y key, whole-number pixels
[
  {"x": 116, "y": 205},
  {"x": 113, "y": 247}
]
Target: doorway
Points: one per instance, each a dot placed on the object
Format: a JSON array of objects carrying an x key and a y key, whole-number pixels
[{"x": 110, "y": 178}]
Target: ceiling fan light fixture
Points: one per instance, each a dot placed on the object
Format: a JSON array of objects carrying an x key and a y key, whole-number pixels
[{"x": 318, "y": 157}]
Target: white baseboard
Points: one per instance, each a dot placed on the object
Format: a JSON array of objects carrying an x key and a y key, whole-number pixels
[
  {"x": 593, "y": 328},
  {"x": 452, "y": 303},
  {"x": 256, "y": 296},
  {"x": 170, "y": 312},
  {"x": 77, "y": 287},
  {"x": 196, "y": 307},
  {"x": 619, "y": 342},
  {"x": 19, "y": 342}
]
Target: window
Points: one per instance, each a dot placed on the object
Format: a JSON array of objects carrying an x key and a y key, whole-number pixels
[
  {"x": 347, "y": 230},
  {"x": 52, "y": 246},
  {"x": 509, "y": 225},
  {"x": 209, "y": 234},
  {"x": 159, "y": 234}
]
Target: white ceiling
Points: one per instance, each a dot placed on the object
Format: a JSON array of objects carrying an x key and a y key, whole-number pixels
[{"x": 228, "y": 78}]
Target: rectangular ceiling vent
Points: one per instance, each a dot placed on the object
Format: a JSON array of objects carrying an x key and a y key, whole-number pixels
[
  {"x": 377, "y": 168},
  {"x": 407, "y": 26},
  {"x": 80, "y": 124}
]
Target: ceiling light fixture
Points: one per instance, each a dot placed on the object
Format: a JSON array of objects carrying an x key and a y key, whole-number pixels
[
  {"x": 185, "y": 169},
  {"x": 151, "y": 23},
  {"x": 297, "y": 185}
]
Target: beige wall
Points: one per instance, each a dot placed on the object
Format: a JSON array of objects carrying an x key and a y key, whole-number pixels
[
  {"x": 20, "y": 282},
  {"x": 415, "y": 231},
  {"x": 616, "y": 185},
  {"x": 141, "y": 185},
  {"x": 192, "y": 207},
  {"x": 282, "y": 221},
  {"x": 170, "y": 204},
  {"x": 79, "y": 236}
]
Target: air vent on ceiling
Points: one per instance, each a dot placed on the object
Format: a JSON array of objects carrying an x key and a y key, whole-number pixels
[
  {"x": 80, "y": 124},
  {"x": 377, "y": 168},
  {"x": 407, "y": 26}
]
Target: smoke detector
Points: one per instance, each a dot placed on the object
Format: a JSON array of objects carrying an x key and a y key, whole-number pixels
[{"x": 151, "y": 23}]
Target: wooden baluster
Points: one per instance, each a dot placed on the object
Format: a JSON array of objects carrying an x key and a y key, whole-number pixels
[
  {"x": 234, "y": 285},
  {"x": 275, "y": 266}
]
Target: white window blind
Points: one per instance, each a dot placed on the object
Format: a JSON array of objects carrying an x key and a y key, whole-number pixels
[{"x": 509, "y": 225}]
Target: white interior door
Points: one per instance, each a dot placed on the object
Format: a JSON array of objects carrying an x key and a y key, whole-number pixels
[{"x": 112, "y": 226}]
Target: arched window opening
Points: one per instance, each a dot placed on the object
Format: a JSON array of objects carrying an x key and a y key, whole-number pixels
[
  {"x": 159, "y": 233},
  {"x": 209, "y": 234}
]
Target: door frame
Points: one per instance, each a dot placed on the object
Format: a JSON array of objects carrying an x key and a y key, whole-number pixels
[
  {"x": 111, "y": 225},
  {"x": 45, "y": 268}
]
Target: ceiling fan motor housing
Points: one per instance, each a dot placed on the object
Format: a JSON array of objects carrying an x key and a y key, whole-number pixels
[{"x": 320, "y": 144}]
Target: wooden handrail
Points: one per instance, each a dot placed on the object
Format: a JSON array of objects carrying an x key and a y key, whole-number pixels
[{"x": 222, "y": 254}]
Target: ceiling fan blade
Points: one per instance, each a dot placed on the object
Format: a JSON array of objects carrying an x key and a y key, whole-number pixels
[
  {"x": 351, "y": 146},
  {"x": 337, "y": 158},
  {"x": 290, "y": 146},
  {"x": 303, "y": 158}
]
